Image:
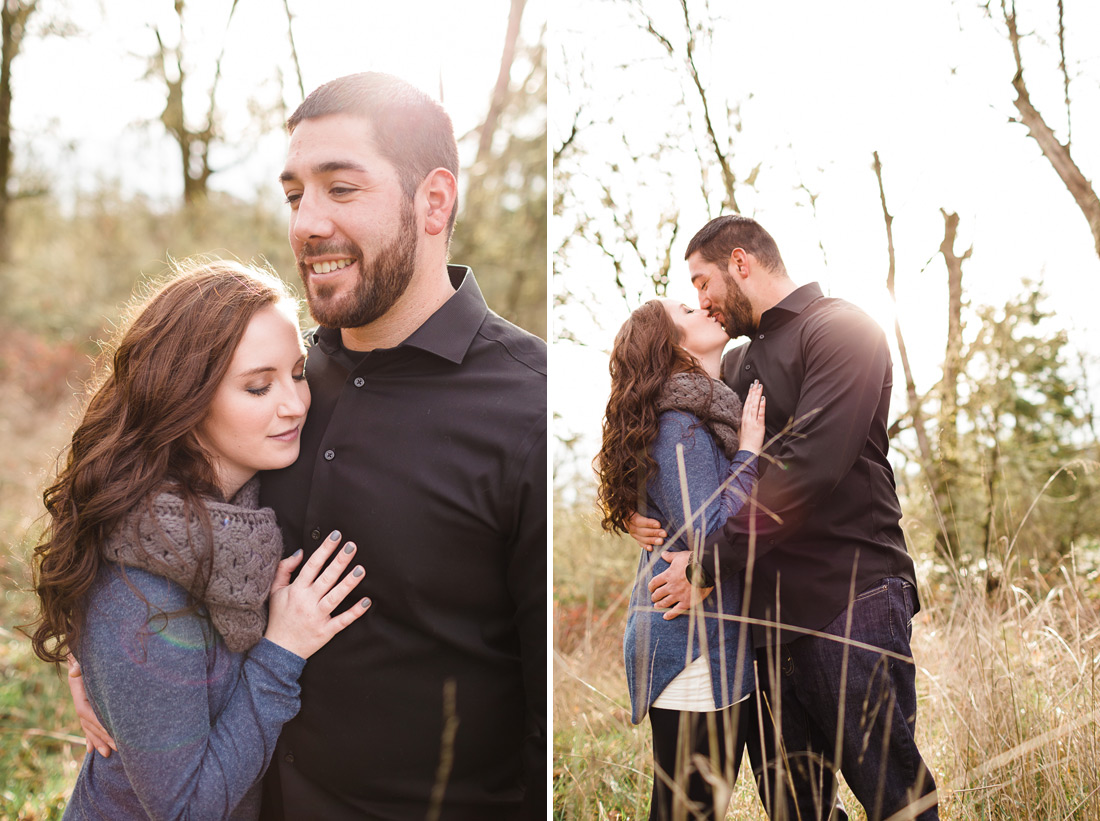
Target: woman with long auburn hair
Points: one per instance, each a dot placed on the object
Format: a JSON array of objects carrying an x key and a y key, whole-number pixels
[
  {"x": 157, "y": 563},
  {"x": 679, "y": 447}
]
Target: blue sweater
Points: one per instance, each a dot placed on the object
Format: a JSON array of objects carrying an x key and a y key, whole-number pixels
[
  {"x": 657, "y": 650},
  {"x": 195, "y": 724}
]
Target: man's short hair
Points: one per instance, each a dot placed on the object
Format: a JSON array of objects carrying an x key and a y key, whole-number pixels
[
  {"x": 716, "y": 240},
  {"x": 410, "y": 129}
]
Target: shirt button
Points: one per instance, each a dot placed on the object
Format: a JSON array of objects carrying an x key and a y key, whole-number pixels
[
  {"x": 315, "y": 534},
  {"x": 289, "y": 758},
  {"x": 359, "y": 381},
  {"x": 330, "y": 455},
  {"x": 748, "y": 367},
  {"x": 761, "y": 336}
]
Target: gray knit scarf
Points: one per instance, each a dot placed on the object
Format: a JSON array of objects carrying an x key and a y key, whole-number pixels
[
  {"x": 234, "y": 586},
  {"x": 703, "y": 396}
]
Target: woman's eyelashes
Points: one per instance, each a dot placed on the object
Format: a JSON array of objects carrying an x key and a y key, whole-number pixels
[{"x": 263, "y": 390}]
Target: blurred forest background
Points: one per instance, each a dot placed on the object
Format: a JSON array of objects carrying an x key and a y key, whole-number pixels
[
  {"x": 933, "y": 165},
  {"x": 137, "y": 131}
]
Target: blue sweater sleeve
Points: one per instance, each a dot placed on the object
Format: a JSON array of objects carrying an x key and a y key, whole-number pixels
[
  {"x": 714, "y": 491},
  {"x": 195, "y": 724}
]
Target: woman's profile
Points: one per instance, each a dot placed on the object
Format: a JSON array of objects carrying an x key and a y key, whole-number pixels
[
  {"x": 679, "y": 447},
  {"x": 156, "y": 566}
]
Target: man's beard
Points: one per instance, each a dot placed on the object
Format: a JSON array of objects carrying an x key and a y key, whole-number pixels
[
  {"x": 382, "y": 279},
  {"x": 736, "y": 310}
]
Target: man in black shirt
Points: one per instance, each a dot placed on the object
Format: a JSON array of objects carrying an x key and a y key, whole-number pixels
[
  {"x": 821, "y": 543},
  {"x": 426, "y": 446}
]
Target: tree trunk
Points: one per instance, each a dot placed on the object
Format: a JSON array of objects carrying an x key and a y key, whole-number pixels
[
  {"x": 952, "y": 361},
  {"x": 946, "y": 539},
  {"x": 14, "y": 16},
  {"x": 948, "y": 445},
  {"x": 500, "y": 91}
]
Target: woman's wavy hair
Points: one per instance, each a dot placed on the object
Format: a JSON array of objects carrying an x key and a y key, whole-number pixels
[
  {"x": 646, "y": 353},
  {"x": 138, "y": 432}
]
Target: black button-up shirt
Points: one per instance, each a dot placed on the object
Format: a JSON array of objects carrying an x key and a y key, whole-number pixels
[
  {"x": 828, "y": 515},
  {"x": 431, "y": 457}
]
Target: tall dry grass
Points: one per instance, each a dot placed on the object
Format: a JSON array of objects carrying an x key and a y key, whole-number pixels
[{"x": 1006, "y": 660}]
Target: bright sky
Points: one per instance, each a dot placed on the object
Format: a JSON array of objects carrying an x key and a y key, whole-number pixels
[
  {"x": 821, "y": 87},
  {"x": 81, "y": 103}
]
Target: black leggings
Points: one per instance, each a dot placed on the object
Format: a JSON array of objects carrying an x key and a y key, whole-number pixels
[{"x": 678, "y": 737}]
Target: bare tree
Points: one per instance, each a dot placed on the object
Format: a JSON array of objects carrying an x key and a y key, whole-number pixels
[
  {"x": 683, "y": 45},
  {"x": 501, "y": 89},
  {"x": 1058, "y": 154},
  {"x": 624, "y": 199},
  {"x": 502, "y": 224},
  {"x": 293, "y": 48},
  {"x": 953, "y": 354},
  {"x": 15, "y": 14},
  {"x": 193, "y": 143},
  {"x": 936, "y": 469},
  {"x": 194, "y": 136}
]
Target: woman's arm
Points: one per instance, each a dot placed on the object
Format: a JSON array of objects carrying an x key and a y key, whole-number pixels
[
  {"x": 713, "y": 497},
  {"x": 737, "y": 485},
  {"x": 152, "y": 683},
  {"x": 153, "y": 679}
]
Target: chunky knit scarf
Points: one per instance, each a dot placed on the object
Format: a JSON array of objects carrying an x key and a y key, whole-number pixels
[
  {"x": 233, "y": 588},
  {"x": 705, "y": 397}
]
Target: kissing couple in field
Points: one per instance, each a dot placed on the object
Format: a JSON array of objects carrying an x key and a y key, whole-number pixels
[
  {"x": 237, "y": 496},
  {"x": 777, "y": 617}
]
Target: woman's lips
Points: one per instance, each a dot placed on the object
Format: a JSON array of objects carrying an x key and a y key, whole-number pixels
[{"x": 286, "y": 436}]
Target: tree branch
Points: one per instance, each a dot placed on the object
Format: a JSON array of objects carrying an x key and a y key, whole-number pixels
[
  {"x": 293, "y": 48},
  {"x": 1057, "y": 155}
]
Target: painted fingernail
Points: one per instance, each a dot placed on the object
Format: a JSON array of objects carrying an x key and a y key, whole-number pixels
[
  {"x": 357, "y": 572},
  {"x": 349, "y": 547},
  {"x": 334, "y": 535},
  {"x": 296, "y": 553},
  {"x": 365, "y": 603}
]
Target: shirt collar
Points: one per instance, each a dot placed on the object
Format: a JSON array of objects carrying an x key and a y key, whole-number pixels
[
  {"x": 446, "y": 333},
  {"x": 793, "y": 303}
]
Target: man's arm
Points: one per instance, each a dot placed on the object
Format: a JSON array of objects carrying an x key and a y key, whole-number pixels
[
  {"x": 647, "y": 532},
  {"x": 527, "y": 585},
  {"x": 96, "y": 736}
]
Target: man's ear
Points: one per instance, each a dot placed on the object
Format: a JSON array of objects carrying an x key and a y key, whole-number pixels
[
  {"x": 738, "y": 263},
  {"x": 440, "y": 190}
]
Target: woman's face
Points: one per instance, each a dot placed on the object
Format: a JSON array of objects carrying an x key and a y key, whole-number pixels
[
  {"x": 700, "y": 335},
  {"x": 255, "y": 420}
]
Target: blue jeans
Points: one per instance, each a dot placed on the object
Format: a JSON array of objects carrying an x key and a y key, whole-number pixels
[{"x": 815, "y": 686}]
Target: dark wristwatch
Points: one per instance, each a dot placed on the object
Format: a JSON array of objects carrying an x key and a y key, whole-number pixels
[{"x": 697, "y": 575}]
